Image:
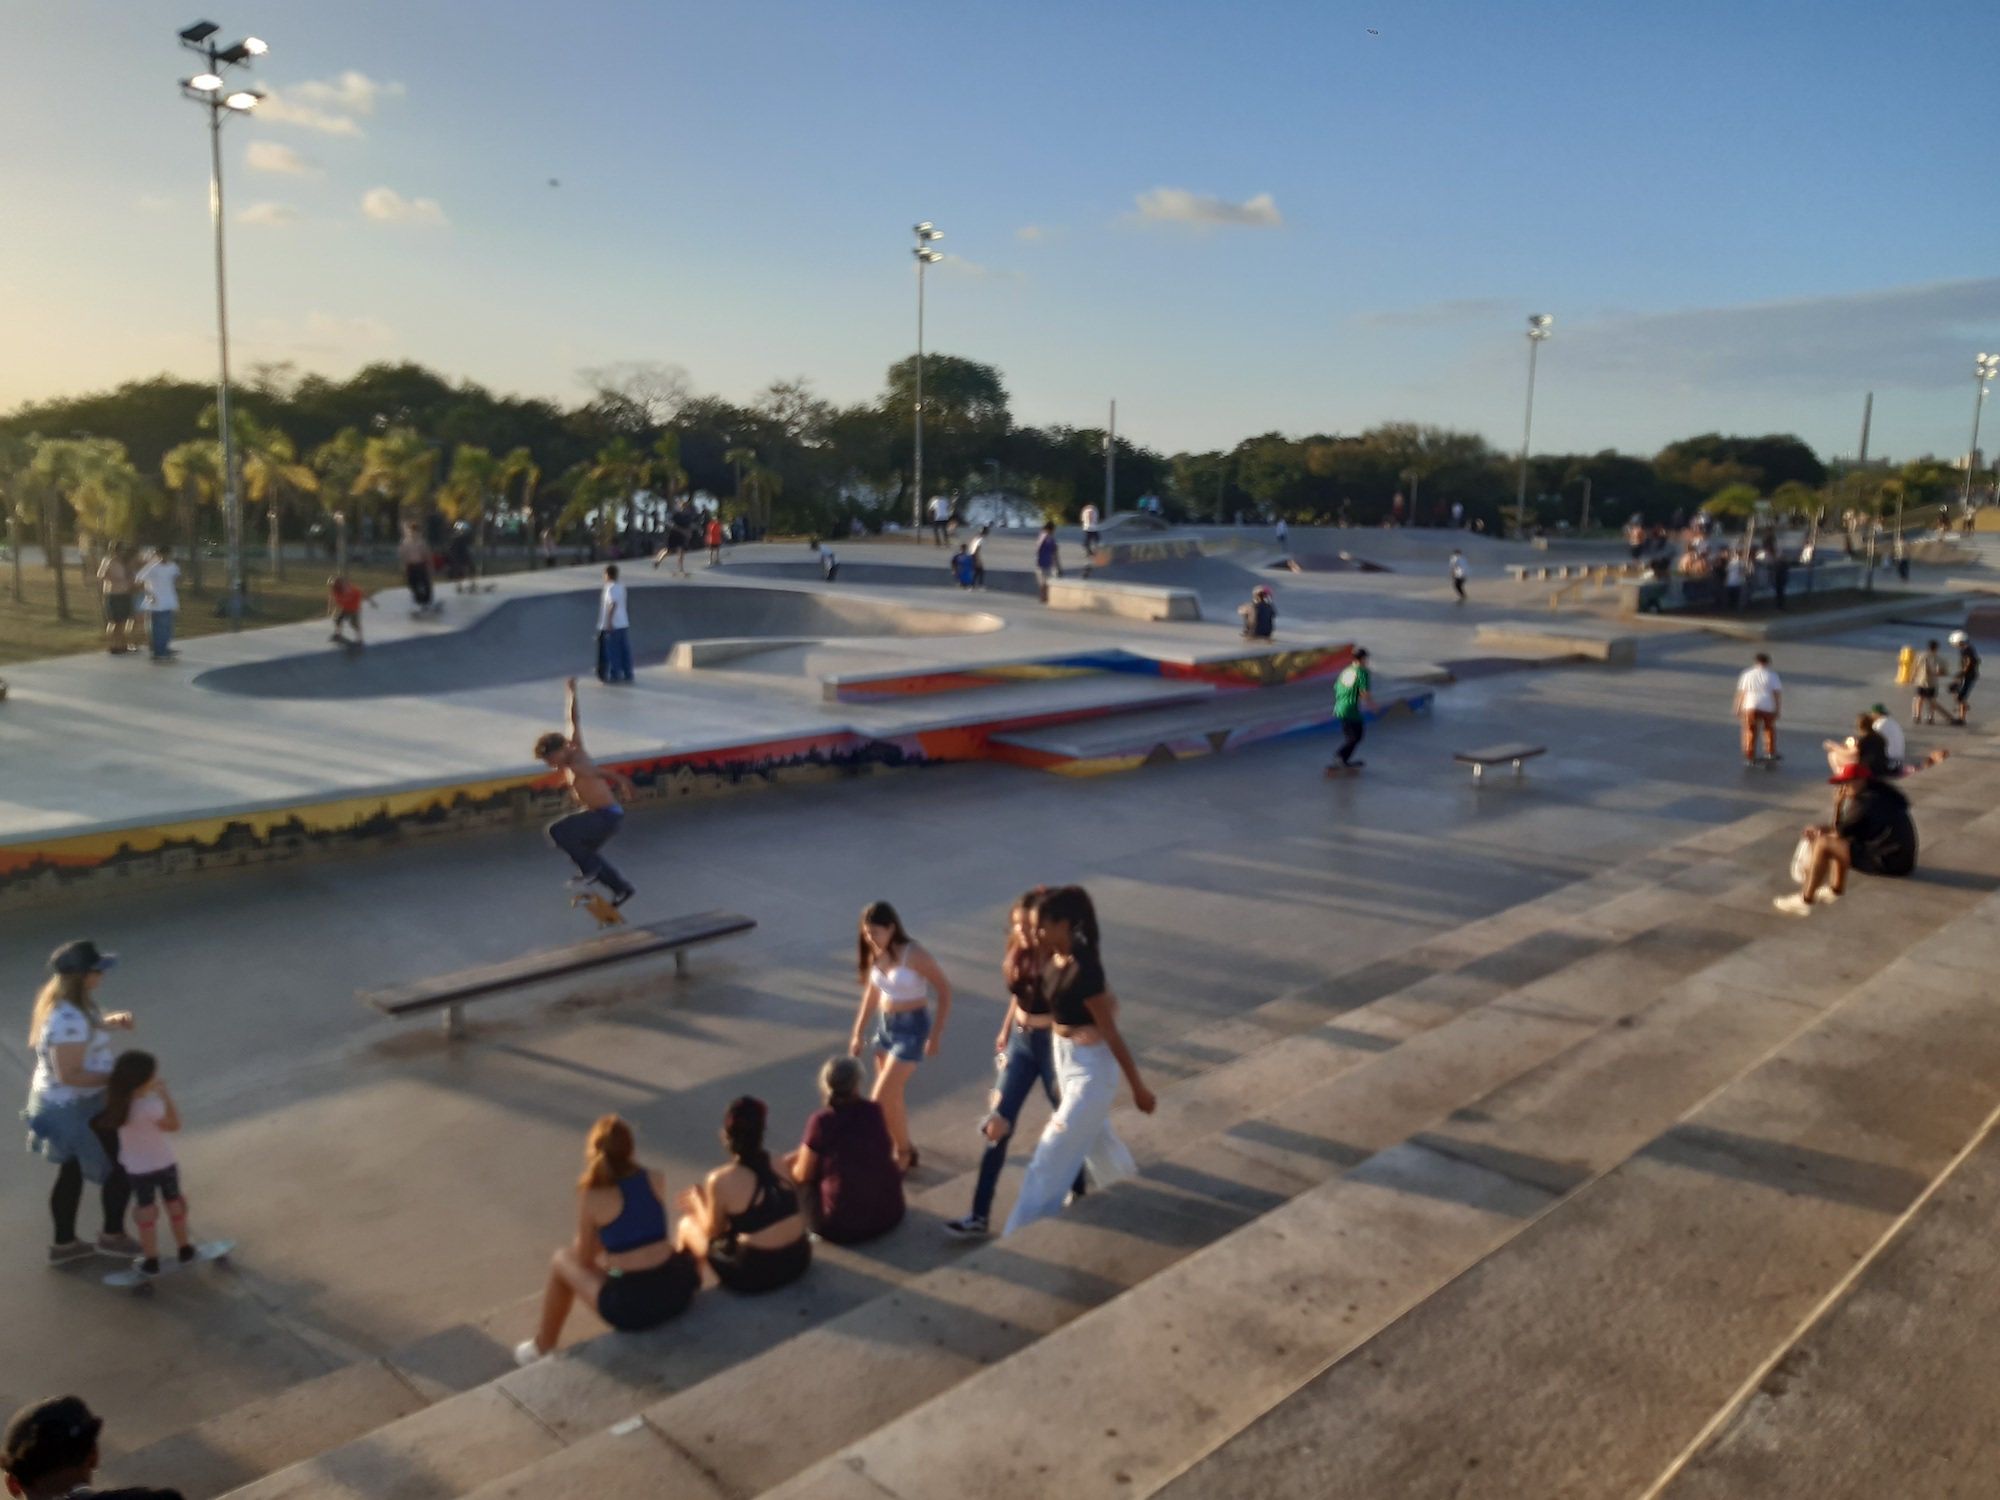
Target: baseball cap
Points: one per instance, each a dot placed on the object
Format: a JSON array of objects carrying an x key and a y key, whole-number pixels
[
  {"x": 81, "y": 957},
  {"x": 47, "y": 1437},
  {"x": 1876, "y": 708}
]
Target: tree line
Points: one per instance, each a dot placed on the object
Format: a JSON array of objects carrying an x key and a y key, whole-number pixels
[{"x": 397, "y": 441}]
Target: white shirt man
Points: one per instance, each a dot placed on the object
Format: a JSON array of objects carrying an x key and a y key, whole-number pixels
[
  {"x": 1759, "y": 693},
  {"x": 160, "y": 579},
  {"x": 1283, "y": 533},
  {"x": 1457, "y": 514},
  {"x": 1893, "y": 744},
  {"x": 940, "y": 518},
  {"x": 614, "y": 615}
]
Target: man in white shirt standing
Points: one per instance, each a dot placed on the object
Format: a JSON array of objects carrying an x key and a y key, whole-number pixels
[
  {"x": 1759, "y": 694},
  {"x": 978, "y": 551},
  {"x": 940, "y": 519},
  {"x": 161, "y": 578},
  {"x": 1283, "y": 533},
  {"x": 1458, "y": 574},
  {"x": 1090, "y": 524},
  {"x": 614, "y": 622}
]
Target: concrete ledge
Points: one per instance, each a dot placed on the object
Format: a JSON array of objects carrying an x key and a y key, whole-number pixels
[
  {"x": 1827, "y": 622},
  {"x": 1133, "y": 601},
  {"x": 694, "y": 656},
  {"x": 1563, "y": 640}
]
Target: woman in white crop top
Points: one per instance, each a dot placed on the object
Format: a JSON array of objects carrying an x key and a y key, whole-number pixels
[{"x": 897, "y": 975}]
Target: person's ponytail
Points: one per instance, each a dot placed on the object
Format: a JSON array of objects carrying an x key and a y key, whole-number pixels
[{"x": 608, "y": 1155}]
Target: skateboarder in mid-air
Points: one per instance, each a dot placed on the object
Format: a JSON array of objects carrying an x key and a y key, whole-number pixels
[{"x": 582, "y": 833}]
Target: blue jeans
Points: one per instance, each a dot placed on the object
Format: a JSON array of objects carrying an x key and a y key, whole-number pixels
[
  {"x": 618, "y": 655},
  {"x": 582, "y": 834},
  {"x": 1030, "y": 1059},
  {"x": 161, "y": 622}
]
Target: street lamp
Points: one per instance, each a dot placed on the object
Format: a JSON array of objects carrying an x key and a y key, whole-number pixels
[
  {"x": 1984, "y": 368},
  {"x": 925, "y": 232},
  {"x": 1538, "y": 329},
  {"x": 210, "y": 90}
]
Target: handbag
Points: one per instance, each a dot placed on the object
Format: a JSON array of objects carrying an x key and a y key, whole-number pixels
[{"x": 1802, "y": 859}]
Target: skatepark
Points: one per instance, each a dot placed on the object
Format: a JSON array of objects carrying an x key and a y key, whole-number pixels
[{"x": 1509, "y": 1143}]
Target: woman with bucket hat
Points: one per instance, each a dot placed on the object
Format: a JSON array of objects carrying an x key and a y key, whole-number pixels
[{"x": 71, "y": 1040}]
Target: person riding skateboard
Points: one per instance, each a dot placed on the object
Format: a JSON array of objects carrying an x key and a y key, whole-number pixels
[
  {"x": 598, "y": 817},
  {"x": 1352, "y": 702}
]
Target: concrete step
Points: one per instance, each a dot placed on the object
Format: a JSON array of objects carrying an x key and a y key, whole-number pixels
[{"x": 1217, "y": 1347}]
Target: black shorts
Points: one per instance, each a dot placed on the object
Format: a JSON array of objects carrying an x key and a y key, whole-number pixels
[
  {"x": 117, "y": 608},
  {"x": 166, "y": 1183},
  {"x": 633, "y": 1301},
  {"x": 745, "y": 1268},
  {"x": 1962, "y": 689},
  {"x": 348, "y": 617},
  {"x": 1926, "y": 692}
]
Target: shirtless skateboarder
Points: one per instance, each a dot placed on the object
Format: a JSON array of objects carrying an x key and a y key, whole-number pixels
[{"x": 598, "y": 817}]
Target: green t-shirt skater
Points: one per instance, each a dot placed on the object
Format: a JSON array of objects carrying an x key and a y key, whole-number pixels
[{"x": 1347, "y": 690}]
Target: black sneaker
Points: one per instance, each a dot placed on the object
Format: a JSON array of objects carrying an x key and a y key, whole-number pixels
[
  {"x": 68, "y": 1250},
  {"x": 971, "y": 1227},
  {"x": 619, "y": 898},
  {"x": 186, "y": 1254},
  {"x": 150, "y": 1265}
]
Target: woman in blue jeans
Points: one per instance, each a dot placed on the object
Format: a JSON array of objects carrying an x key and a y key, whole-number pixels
[
  {"x": 1026, "y": 1056},
  {"x": 896, "y": 976}
]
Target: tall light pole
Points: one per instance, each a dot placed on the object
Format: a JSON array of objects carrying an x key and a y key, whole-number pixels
[
  {"x": 1538, "y": 329},
  {"x": 926, "y": 232},
  {"x": 208, "y": 89},
  {"x": 1111, "y": 463},
  {"x": 1984, "y": 369}
]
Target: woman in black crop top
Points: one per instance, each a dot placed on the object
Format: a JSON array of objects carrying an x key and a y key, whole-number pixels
[
  {"x": 1026, "y": 1055},
  {"x": 1091, "y": 1055},
  {"x": 743, "y": 1222}
]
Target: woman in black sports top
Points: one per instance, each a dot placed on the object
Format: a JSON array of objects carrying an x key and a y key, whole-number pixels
[{"x": 744, "y": 1222}]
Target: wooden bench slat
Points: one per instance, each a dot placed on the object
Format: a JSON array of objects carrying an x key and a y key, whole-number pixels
[{"x": 550, "y": 963}]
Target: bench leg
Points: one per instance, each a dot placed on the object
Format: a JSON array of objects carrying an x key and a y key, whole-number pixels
[
  {"x": 454, "y": 1023},
  {"x": 1478, "y": 771},
  {"x": 1517, "y": 768},
  {"x": 680, "y": 963}
]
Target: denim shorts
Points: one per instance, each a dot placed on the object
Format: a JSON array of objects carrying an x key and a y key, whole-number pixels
[{"x": 902, "y": 1033}]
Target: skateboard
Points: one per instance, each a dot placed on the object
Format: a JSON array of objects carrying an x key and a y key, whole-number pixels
[
  {"x": 1765, "y": 762},
  {"x": 1338, "y": 770},
  {"x": 599, "y": 907},
  {"x": 141, "y": 1283}
]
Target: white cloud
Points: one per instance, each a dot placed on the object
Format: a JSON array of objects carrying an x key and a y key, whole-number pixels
[
  {"x": 270, "y": 215},
  {"x": 1033, "y": 233},
  {"x": 1440, "y": 314},
  {"x": 1204, "y": 211},
  {"x": 328, "y": 106},
  {"x": 1910, "y": 338},
  {"x": 387, "y": 206},
  {"x": 958, "y": 265},
  {"x": 282, "y": 161}
]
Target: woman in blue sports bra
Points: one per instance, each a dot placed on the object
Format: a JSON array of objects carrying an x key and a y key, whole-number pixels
[
  {"x": 744, "y": 1222},
  {"x": 896, "y": 976},
  {"x": 623, "y": 1265}
]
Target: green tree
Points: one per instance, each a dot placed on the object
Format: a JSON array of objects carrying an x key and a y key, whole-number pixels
[
  {"x": 399, "y": 468},
  {"x": 271, "y": 471},
  {"x": 96, "y": 480},
  {"x": 1735, "y": 502},
  {"x": 193, "y": 473},
  {"x": 339, "y": 461}
]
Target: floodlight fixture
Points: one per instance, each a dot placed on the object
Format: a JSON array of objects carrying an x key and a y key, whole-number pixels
[
  {"x": 244, "y": 99},
  {"x": 256, "y": 46},
  {"x": 207, "y": 83},
  {"x": 1538, "y": 325}
]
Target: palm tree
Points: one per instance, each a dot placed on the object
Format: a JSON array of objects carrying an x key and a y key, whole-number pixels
[
  {"x": 193, "y": 471},
  {"x": 339, "y": 461},
  {"x": 15, "y": 455},
  {"x": 619, "y": 473},
  {"x": 399, "y": 467},
  {"x": 762, "y": 485},
  {"x": 270, "y": 470},
  {"x": 96, "y": 479},
  {"x": 519, "y": 464}
]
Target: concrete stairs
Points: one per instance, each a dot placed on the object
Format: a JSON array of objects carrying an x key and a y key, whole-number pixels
[{"x": 1438, "y": 1119}]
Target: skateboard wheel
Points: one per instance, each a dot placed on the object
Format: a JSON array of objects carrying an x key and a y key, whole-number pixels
[{"x": 224, "y": 1262}]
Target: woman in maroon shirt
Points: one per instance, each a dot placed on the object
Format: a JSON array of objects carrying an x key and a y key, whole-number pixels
[{"x": 849, "y": 1161}]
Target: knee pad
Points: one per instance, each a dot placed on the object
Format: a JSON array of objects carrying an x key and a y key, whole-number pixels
[
  {"x": 147, "y": 1216},
  {"x": 177, "y": 1209}
]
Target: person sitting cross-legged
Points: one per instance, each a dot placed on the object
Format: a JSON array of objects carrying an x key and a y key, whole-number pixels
[{"x": 1871, "y": 832}]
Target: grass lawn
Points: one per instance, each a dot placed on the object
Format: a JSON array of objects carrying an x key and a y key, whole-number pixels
[{"x": 30, "y": 629}]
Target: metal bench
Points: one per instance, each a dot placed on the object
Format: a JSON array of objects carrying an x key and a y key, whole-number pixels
[
  {"x": 1498, "y": 755},
  {"x": 449, "y": 992}
]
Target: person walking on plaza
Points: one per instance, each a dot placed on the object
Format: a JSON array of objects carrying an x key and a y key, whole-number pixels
[
  {"x": 896, "y": 973},
  {"x": 940, "y": 519},
  {"x": 1458, "y": 574},
  {"x": 115, "y": 576},
  {"x": 614, "y": 620},
  {"x": 1759, "y": 697},
  {"x": 622, "y": 1265},
  {"x": 1732, "y": 581},
  {"x": 583, "y": 833},
  {"x": 548, "y": 547},
  {"x": 978, "y": 551},
  {"x": 71, "y": 1041},
  {"x": 49, "y": 1452},
  {"x": 1967, "y": 675},
  {"x": 743, "y": 1222},
  {"x": 713, "y": 536},
  {"x": 161, "y": 581},
  {"x": 343, "y": 607},
  {"x": 1025, "y": 1055},
  {"x": 847, "y": 1162},
  {"x": 1090, "y": 1056},
  {"x": 1353, "y": 701},
  {"x": 140, "y": 1112},
  {"x": 1048, "y": 558},
  {"x": 414, "y": 553},
  {"x": 963, "y": 566},
  {"x": 1282, "y": 534},
  {"x": 1926, "y": 671},
  {"x": 1091, "y": 521}
]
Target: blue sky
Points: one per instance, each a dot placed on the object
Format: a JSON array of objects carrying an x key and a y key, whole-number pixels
[{"x": 1231, "y": 218}]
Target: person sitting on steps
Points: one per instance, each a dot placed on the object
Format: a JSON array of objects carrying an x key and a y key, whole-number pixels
[
  {"x": 1871, "y": 832},
  {"x": 1260, "y": 615},
  {"x": 622, "y": 1265},
  {"x": 847, "y": 1161},
  {"x": 742, "y": 1223}
]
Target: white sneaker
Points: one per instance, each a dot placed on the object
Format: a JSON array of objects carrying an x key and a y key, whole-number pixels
[
  {"x": 1827, "y": 895},
  {"x": 528, "y": 1351},
  {"x": 1794, "y": 904}
]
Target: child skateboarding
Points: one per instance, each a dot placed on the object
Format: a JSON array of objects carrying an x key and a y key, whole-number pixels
[
  {"x": 1352, "y": 702},
  {"x": 598, "y": 817},
  {"x": 138, "y": 1107},
  {"x": 343, "y": 607}
]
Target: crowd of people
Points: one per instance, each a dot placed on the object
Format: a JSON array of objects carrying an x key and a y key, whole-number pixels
[{"x": 133, "y": 588}]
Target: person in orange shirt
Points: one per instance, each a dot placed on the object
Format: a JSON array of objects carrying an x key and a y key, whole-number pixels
[
  {"x": 343, "y": 607},
  {"x": 714, "y": 539}
]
